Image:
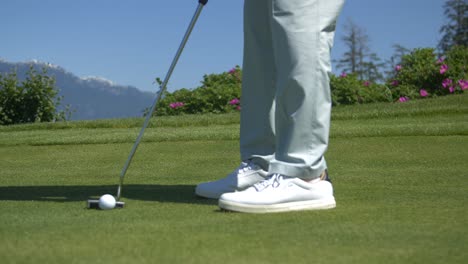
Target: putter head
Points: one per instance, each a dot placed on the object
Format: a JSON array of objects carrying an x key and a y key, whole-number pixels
[{"x": 94, "y": 204}]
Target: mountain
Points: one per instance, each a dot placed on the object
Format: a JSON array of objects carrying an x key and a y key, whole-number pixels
[{"x": 89, "y": 97}]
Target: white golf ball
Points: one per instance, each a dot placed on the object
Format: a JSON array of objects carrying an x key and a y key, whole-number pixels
[{"x": 107, "y": 202}]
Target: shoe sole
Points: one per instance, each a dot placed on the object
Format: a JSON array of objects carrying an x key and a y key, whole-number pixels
[{"x": 278, "y": 208}]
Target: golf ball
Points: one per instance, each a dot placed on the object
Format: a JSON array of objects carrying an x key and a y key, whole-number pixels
[{"x": 106, "y": 202}]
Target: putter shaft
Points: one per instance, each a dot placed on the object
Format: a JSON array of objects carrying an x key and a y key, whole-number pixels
[{"x": 159, "y": 94}]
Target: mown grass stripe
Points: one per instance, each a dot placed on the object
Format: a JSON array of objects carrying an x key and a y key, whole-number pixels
[{"x": 433, "y": 126}]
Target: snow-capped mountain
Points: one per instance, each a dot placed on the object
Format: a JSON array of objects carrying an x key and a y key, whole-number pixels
[{"x": 90, "y": 97}]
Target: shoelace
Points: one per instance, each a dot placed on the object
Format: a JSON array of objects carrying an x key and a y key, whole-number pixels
[
  {"x": 273, "y": 181},
  {"x": 245, "y": 167}
]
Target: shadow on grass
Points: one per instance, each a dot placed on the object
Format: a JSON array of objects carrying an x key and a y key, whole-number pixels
[{"x": 158, "y": 193}]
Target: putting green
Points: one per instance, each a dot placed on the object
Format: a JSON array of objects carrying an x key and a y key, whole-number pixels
[{"x": 400, "y": 187}]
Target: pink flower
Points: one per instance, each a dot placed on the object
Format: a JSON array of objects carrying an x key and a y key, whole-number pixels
[
  {"x": 176, "y": 105},
  {"x": 232, "y": 71},
  {"x": 463, "y": 84},
  {"x": 398, "y": 68},
  {"x": 403, "y": 99},
  {"x": 395, "y": 83},
  {"x": 443, "y": 68},
  {"x": 423, "y": 93},
  {"x": 440, "y": 60},
  {"x": 366, "y": 83},
  {"x": 238, "y": 108},
  {"x": 451, "y": 89},
  {"x": 234, "y": 101},
  {"x": 446, "y": 83},
  {"x": 343, "y": 75}
]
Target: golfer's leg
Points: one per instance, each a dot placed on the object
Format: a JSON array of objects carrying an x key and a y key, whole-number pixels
[
  {"x": 303, "y": 32},
  {"x": 257, "y": 139}
]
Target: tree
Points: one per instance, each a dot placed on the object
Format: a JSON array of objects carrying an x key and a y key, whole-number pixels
[
  {"x": 398, "y": 52},
  {"x": 455, "y": 31},
  {"x": 359, "y": 59},
  {"x": 33, "y": 100}
]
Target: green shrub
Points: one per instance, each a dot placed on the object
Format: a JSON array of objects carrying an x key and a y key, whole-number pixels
[
  {"x": 10, "y": 99},
  {"x": 348, "y": 89},
  {"x": 34, "y": 100},
  {"x": 375, "y": 92}
]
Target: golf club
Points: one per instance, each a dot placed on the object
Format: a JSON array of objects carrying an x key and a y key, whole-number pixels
[{"x": 162, "y": 89}]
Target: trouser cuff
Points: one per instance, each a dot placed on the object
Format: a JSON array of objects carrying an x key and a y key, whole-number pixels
[{"x": 299, "y": 171}]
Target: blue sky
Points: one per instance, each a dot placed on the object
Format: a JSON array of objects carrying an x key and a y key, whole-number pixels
[{"x": 132, "y": 42}]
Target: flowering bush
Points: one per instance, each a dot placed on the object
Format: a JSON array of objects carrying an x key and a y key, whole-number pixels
[
  {"x": 235, "y": 103},
  {"x": 417, "y": 70},
  {"x": 219, "y": 93},
  {"x": 457, "y": 70},
  {"x": 423, "y": 93},
  {"x": 420, "y": 74},
  {"x": 176, "y": 105},
  {"x": 403, "y": 99},
  {"x": 423, "y": 74}
]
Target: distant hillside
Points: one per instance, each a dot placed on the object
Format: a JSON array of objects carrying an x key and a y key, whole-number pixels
[{"x": 90, "y": 97}]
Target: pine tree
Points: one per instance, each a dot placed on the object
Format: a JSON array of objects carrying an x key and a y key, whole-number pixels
[
  {"x": 359, "y": 59},
  {"x": 455, "y": 31}
]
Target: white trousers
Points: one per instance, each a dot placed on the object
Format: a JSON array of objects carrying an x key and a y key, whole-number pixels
[{"x": 286, "y": 102}]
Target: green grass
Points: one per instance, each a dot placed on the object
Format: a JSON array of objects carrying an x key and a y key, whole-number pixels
[{"x": 399, "y": 171}]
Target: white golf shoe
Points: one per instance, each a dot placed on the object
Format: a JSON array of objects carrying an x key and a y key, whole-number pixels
[
  {"x": 246, "y": 175},
  {"x": 280, "y": 193}
]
